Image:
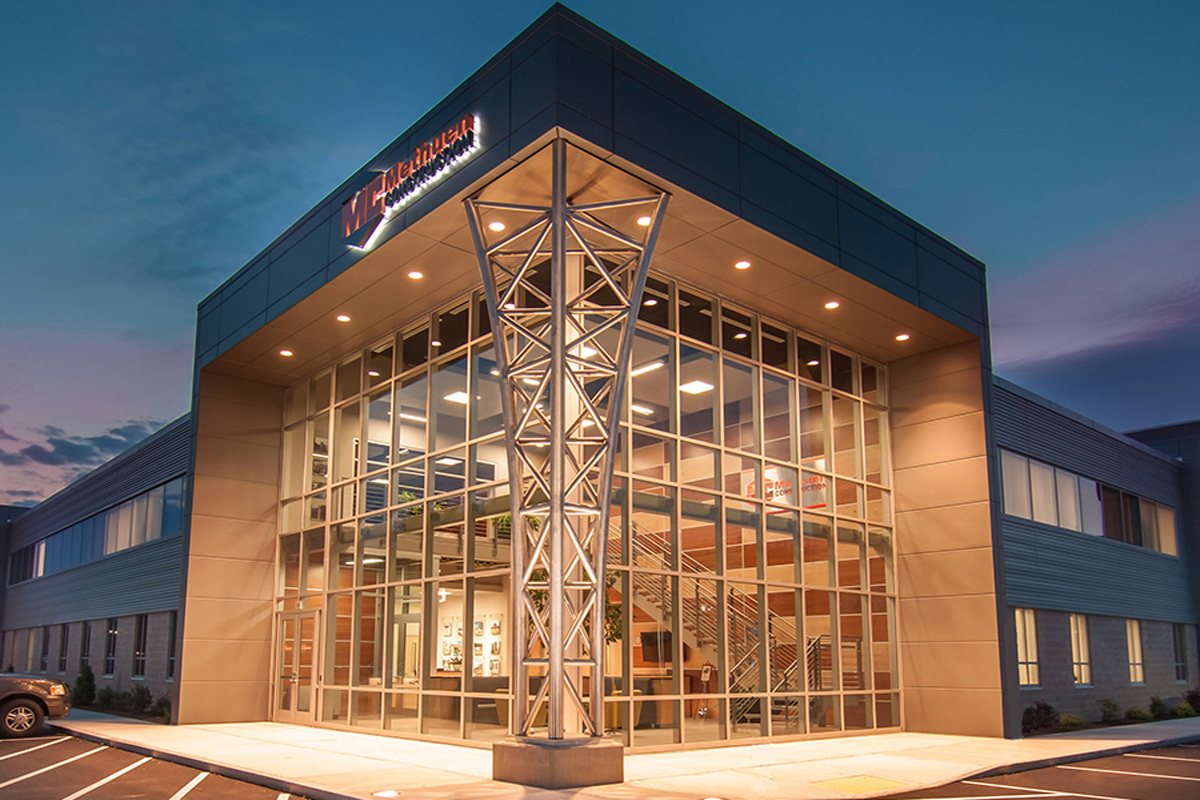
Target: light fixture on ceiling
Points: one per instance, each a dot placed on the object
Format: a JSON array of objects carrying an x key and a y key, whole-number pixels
[
  {"x": 448, "y": 461},
  {"x": 651, "y": 301},
  {"x": 742, "y": 265},
  {"x": 832, "y": 304},
  {"x": 413, "y": 417},
  {"x": 458, "y": 397},
  {"x": 814, "y": 363},
  {"x": 644, "y": 368},
  {"x": 696, "y": 387},
  {"x": 644, "y": 222},
  {"x": 343, "y": 317},
  {"x": 373, "y": 373},
  {"x": 509, "y": 306},
  {"x": 740, "y": 335},
  {"x": 286, "y": 353},
  {"x": 902, "y": 337},
  {"x": 645, "y": 412},
  {"x": 496, "y": 225},
  {"x": 416, "y": 274},
  {"x": 436, "y": 343},
  {"x": 586, "y": 352}
]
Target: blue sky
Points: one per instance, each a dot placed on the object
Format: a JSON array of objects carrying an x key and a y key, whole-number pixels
[{"x": 149, "y": 149}]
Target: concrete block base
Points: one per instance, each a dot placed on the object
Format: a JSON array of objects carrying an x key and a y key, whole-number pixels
[{"x": 558, "y": 763}]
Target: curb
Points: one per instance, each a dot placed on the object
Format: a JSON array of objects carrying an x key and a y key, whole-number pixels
[
  {"x": 302, "y": 790},
  {"x": 1025, "y": 766}
]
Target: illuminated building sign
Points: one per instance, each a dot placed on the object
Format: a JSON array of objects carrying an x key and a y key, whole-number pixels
[{"x": 390, "y": 191}]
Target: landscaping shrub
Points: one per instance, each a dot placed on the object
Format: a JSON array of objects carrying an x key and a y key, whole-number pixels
[
  {"x": 108, "y": 698},
  {"x": 1109, "y": 710},
  {"x": 1183, "y": 710},
  {"x": 1192, "y": 698},
  {"x": 136, "y": 700},
  {"x": 1136, "y": 714},
  {"x": 1072, "y": 722},
  {"x": 83, "y": 691},
  {"x": 161, "y": 708},
  {"x": 1158, "y": 709},
  {"x": 1038, "y": 716}
]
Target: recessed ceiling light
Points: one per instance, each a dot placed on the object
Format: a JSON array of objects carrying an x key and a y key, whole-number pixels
[
  {"x": 495, "y": 372},
  {"x": 742, "y": 265},
  {"x": 529, "y": 381},
  {"x": 286, "y": 353},
  {"x": 413, "y": 417},
  {"x": 645, "y": 412},
  {"x": 902, "y": 337},
  {"x": 343, "y": 317},
  {"x": 387, "y": 792},
  {"x": 447, "y": 461},
  {"x": 458, "y": 397},
  {"x": 651, "y": 302},
  {"x": 496, "y": 226},
  {"x": 740, "y": 335},
  {"x": 696, "y": 387},
  {"x": 509, "y": 306},
  {"x": 416, "y": 274},
  {"x": 832, "y": 304},
  {"x": 814, "y": 363},
  {"x": 586, "y": 352},
  {"x": 436, "y": 343},
  {"x": 644, "y": 222},
  {"x": 374, "y": 373}
]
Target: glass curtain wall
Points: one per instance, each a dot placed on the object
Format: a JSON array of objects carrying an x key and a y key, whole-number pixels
[{"x": 750, "y": 548}]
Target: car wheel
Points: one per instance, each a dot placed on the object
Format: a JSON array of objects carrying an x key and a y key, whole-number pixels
[{"x": 20, "y": 717}]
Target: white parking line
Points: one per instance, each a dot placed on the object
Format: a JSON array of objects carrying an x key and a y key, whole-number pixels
[
  {"x": 103, "y": 781},
  {"x": 182, "y": 793},
  {"x": 1134, "y": 774},
  {"x": 31, "y": 749},
  {"x": 1048, "y": 792},
  {"x": 1164, "y": 758},
  {"x": 37, "y": 772}
]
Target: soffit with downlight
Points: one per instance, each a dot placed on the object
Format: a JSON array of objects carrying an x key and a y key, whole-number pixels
[{"x": 699, "y": 244}]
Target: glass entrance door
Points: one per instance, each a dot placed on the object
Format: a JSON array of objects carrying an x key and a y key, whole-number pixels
[{"x": 296, "y": 666}]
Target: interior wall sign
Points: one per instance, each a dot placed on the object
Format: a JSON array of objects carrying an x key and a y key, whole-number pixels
[{"x": 364, "y": 213}]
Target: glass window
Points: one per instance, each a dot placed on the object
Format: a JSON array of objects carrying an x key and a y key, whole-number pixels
[
  {"x": 651, "y": 375},
  {"x": 774, "y": 346},
  {"x": 110, "y": 647},
  {"x": 697, "y": 395},
  {"x": 1015, "y": 470},
  {"x": 1179, "y": 641},
  {"x": 1091, "y": 507},
  {"x": 85, "y": 646},
  {"x": 1166, "y": 530},
  {"x": 1133, "y": 643},
  {"x": 1068, "y": 500},
  {"x": 1081, "y": 660},
  {"x": 139, "y": 645},
  {"x": 737, "y": 332},
  {"x": 778, "y": 417},
  {"x": 842, "y": 371},
  {"x": 810, "y": 360},
  {"x": 1027, "y": 649},
  {"x": 448, "y": 404},
  {"x": 414, "y": 350},
  {"x": 63, "y": 641},
  {"x": 696, "y": 316},
  {"x": 379, "y": 364},
  {"x": 1133, "y": 519},
  {"x": 1042, "y": 493},
  {"x": 656, "y": 303},
  {"x": 740, "y": 407}
]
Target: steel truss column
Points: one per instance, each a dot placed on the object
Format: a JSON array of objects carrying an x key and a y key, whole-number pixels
[{"x": 563, "y": 359}]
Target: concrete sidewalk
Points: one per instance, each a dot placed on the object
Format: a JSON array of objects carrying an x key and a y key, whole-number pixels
[{"x": 331, "y": 765}]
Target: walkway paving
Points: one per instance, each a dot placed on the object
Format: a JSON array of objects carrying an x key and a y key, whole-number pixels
[{"x": 333, "y": 765}]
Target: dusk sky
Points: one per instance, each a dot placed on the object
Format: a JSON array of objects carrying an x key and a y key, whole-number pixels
[{"x": 149, "y": 149}]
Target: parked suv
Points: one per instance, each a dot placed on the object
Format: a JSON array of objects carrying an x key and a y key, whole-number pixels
[{"x": 25, "y": 701}]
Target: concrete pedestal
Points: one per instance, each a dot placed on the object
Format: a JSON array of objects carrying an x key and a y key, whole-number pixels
[{"x": 558, "y": 763}]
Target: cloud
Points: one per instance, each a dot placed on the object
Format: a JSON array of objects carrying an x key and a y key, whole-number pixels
[
  {"x": 4, "y": 408},
  {"x": 1133, "y": 288},
  {"x": 5, "y": 436}
]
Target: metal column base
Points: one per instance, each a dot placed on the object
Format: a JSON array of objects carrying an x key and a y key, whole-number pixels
[{"x": 558, "y": 763}]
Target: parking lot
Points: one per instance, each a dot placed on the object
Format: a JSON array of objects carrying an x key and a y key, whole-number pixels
[
  {"x": 56, "y": 767},
  {"x": 1165, "y": 773}
]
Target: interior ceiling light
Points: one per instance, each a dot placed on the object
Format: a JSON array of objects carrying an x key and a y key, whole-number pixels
[
  {"x": 529, "y": 381},
  {"x": 286, "y": 353},
  {"x": 436, "y": 343},
  {"x": 496, "y": 225},
  {"x": 586, "y": 352},
  {"x": 374, "y": 373},
  {"x": 832, "y": 304},
  {"x": 902, "y": 337},
  {"x": 651, "y": 302},
  {"x": 742, "y": 265},
  {"x": 343, "y": 317},
  {"x": 509, "y": 306},
  {"x": 386, "y": 793},
  {"x": 645, "y": 412},
  {"x": 447, "y": 461},
  {"x": 696, "y": 387},
  {"x": 416, "y": 274},
  {"x": 413, "y": 417},
  {"x": 373, "y": 560},
  {"x": 458, "y": 397},
  {"x": 495, "y": 372},
  {"x": 740, "y": 335},
  {"x": 644, "y": 222},
  {"x": 814, "y": 363},
  {"x": 644, "y": 368}
]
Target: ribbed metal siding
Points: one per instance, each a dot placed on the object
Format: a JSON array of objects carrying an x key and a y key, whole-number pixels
[
  {"x": 1039, "y": 432},
  {"x": 1067, "y": 571},
  {"x": 159, "y": 458},
  {"x": 141, "y": 580}
]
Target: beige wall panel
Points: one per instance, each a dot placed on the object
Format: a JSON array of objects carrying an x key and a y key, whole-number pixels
[
  {"x": 936, "y": 398},
  {"x": 233, "y": 499},
  {"x": 964, "y": 712},
  {"x": 223, "y": 701},
  {"x": 965, "y": 527},
  {"x": 946, "y": 439},
  {"x": 947, "y": 574},
  {"x": 952, "y": 665},
  {"x": 934, "y": 364},
  {"x": 238, "y": 390},
  {"x": 235, "y": 538},
  {"x": 228, "y": 419},
  {"x": 232, "y": 578},
  {"x": 218, "y": 618},
  {"x": 226, "y": 458},
  {"x": 942, "y": 484},
  {"x": 236, "y": 661},
  {"x": 947, "y": 619}
]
